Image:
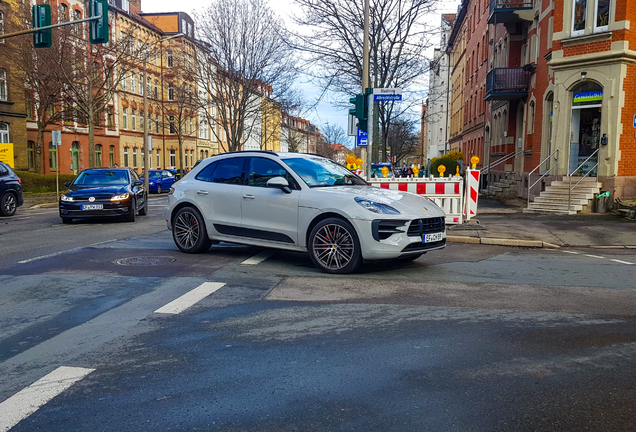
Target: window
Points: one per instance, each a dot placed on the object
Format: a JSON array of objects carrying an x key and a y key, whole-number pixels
[
  {"x": 126, "y": 157},
  {"x": 149, "y": 122},
  {"x": 173, "y": 129},
  {"x": 141, "y": 85},
  {"x": 1, "y": 26},
  {"x": 135, "y": 158},
  {"x": 52, "y": 156},
  {"x": 229, "y": 171},
  {"x": 125, "y": 5},
  {"x": 158, "y": 159},
  {"x": 141, "y": 121},
  {"x": 4, "y": 133},
  {"x": 111, "y": 155},
  {"x": 173, "y": 158},
  {"x": 98, "y": 155},
  {"x": 124, "y": 116},
  {"x": 123, "y": 83},
  {"x": 133, "y": 120},
  {"x": 31, "y": 154},
  {"x": 170, "y": 59},
  {"x": 531, "y": 119},
  {"x": 132, "y": 82},
  {"x": 261, "y": 170},
  {"x": 148, "y": 87},
  {"x": 3, "y": 85},
  {"x": 156, "y": 90},
  {"x": 63, "y": 13},
  {"x": 601, "y": 15},
  {"x": 578, "y": 17},
  {"x": 110, "y": 117},
  {"x": 170, "y": 92}
]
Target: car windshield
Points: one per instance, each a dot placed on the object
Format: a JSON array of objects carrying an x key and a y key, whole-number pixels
[
  {"x": 320, "y": 172},
  {"x": 154, "y": 174},
  {"x": 101, "y": 178}
]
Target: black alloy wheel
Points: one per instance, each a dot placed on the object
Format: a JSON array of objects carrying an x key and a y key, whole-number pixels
[
  {"x": 158, "y": 189},
  {"x": 132, "y": 216},
  {"x": 189, "y": 232},
  {"x": 334, "y": 246},
  {"x": 8, "y": 204},
  {"x": 144, "y": 210}
]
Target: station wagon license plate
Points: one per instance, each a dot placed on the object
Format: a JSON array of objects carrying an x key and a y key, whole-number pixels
[
  {"x": 93, "y": 207},
  {"x": 429, "y": 238}
]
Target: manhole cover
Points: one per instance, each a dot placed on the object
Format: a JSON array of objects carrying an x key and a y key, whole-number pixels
[{"x": 145, "y": 261}]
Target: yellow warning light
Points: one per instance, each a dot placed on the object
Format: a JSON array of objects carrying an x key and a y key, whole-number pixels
[
  {"x": 441, "y": 169},
  {"x": 351, "y": 158},
  {"x": 474, "y": 160},
  {"x": 359, "y": 162},
  {"x": 385, "y": 171},
  {"x": 416, "y": 171}
]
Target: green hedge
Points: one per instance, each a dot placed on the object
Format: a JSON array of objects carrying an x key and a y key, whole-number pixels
[
  {"x": 41, "y": 183},
  {"x": 450, "y": 164}
]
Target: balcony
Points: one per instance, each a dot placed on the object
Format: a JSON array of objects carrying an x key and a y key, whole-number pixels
[
  {"x": 509, "y": 12},
  {"x": 510, "y": 83}
]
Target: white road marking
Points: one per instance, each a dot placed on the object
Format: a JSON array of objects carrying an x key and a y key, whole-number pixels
[
  {"x": 622, "y": 262},
  {"x": 257, "y": 258},
  {"x": 190, "y": 298},
  {"x": 30, "y": 399},
  {"x": 571, "y": 252},
  {"x": 594, "y": 256},
  {"x": 64, "y": 252}
]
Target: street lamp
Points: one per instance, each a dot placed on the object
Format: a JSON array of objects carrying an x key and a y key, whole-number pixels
[{"x": 145, "y": 87}]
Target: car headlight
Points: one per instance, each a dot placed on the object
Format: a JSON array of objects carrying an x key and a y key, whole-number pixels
[
  {"x": 171, "y": 191},
  {"x": 152, "y": 183},
  {"x": 67, "y": 198},
  {"x": 120, "y": 197},
  {"x": 376, "y": 207}
]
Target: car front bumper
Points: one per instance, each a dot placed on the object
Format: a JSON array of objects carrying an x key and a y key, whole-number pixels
[
  {"x": 399, "y": 244},
  {"x": 111, "y": 209}
]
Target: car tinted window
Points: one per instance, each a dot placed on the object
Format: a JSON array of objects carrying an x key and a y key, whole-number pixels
[
  {"x": 261, "y": 170},
  {"x": 206, "y": 173},
  {"x": 101, "y": 178},
  {"x": 229, "y": 171},
  {"x": 4, "y": 170}
]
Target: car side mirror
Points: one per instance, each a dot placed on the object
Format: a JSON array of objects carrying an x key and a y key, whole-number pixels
[
  {"x": 67, "y": 184},
  {"x": 137, "y": 183},
  {"x": 279, "y": 183}
]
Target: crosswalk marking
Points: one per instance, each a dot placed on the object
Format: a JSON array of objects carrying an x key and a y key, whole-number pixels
[
  {"x": 600, "y": 257},
  {"x": 30, "y": 399},
  {"x": 257, "y": 258},
  {"x": 622, "y": 262},
  {"x": 190, "y": 298}
]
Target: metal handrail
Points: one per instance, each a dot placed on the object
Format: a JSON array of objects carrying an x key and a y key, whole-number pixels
[
  {"x": 570, "y": 187},
  {"x": 544, "y": 174},
  {"x": 506, "y": 158}
]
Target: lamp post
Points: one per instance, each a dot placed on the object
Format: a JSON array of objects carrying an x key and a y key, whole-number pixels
[{"x": 145, "y": 87}]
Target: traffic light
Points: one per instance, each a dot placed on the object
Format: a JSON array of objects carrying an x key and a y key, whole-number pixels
[
  {"x": 42, "y": 18},
  {"x": 99, "y": 31},
  {"x": 360, "y": 110}
]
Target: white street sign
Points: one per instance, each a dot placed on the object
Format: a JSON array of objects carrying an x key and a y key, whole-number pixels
[{"x": 56, "y": 138}]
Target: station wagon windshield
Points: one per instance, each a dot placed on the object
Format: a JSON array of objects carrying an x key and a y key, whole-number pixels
[{"x": 322, "y": 173}]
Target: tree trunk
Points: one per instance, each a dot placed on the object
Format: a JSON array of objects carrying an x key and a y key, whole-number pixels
[
  {"x": 38, "y": 158},
  {"x": 91, "y": 138},
  {"x": 181, "y": 169}
]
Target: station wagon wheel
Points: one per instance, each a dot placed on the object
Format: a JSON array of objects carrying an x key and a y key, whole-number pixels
[
  {"x": 188, "y": 231},
  {"x": 334, "y": 246},
  {"x": 8, "y": 205}
]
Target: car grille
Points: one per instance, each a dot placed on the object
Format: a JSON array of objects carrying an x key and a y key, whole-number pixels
[{"x": 420, "y": 227}]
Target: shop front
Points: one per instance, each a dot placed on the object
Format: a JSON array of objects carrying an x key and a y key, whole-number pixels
[{"x": 585, "y": 129}]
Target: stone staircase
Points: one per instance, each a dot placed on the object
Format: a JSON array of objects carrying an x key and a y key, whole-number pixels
[
  {"x": 503, "y": 189},
  {"x": 554, "y": 199}
]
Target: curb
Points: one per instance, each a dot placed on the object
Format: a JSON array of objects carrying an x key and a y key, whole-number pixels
[{"x": 501, "y": 242}]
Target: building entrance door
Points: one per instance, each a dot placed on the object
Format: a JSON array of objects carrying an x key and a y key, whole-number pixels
[{"x": 585, "y": 130}]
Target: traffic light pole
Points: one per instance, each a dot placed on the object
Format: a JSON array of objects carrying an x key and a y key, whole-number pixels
[
  {"x": 365, "y": 154},
  {"x": 33, "y": 30}
]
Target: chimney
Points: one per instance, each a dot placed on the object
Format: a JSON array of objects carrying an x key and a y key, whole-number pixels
[{"x": 135, "y": 6}]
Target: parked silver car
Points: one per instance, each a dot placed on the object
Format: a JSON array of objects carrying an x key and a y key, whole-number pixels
[{"x": 300, "y": 202}]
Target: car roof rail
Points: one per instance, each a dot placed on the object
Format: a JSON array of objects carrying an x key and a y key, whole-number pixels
[{"x": 251, "y": 151}]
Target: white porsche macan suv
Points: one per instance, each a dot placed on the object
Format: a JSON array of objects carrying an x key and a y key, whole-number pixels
[{"x": 300, "y": 202}]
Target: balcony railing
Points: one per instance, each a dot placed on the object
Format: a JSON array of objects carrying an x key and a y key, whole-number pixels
[
  {"x": 508, "y": 83},
  {"x": 507, "y": 11}
]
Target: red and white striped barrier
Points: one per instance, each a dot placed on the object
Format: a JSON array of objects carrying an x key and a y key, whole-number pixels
[
  {"x": 446, "y": 192},
  {"x": 472, "y": 193}
]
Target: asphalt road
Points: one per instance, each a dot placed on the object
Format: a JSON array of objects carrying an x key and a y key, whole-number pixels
[{"x": 471, "y": 338}]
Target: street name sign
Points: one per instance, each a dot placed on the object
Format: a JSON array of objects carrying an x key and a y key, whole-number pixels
[{"x": 387, "y": 94}]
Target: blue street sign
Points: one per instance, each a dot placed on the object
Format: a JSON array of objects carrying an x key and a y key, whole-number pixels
[
  {"x": 387, "y": 97},
  {"x": 635, "y": 120},
  {"x": 362, "y": 139}
]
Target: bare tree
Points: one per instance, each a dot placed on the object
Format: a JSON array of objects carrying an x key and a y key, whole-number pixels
[
  {"x": 402, "y": 140},
  {"x": 43, "y": 89},
  {"x": 397, "y": 44},
  {"x": 247, "y": 59}
]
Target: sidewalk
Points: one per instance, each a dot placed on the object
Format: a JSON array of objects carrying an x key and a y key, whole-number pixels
[{"x": 503, "y": 223}]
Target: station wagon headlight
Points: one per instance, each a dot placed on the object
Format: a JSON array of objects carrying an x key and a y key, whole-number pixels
[
  {"x": 376, "y": 207},
  {"x": 120, "y": 197},
  {"x": 67, "y": 198}
]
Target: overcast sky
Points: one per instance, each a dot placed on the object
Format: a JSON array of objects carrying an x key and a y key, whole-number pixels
[{"x": 324, "y": 112}]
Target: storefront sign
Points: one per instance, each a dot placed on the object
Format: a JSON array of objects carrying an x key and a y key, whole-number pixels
[
  {"x": 6, "y": 154},
  {"x": 587, "y": 97}
]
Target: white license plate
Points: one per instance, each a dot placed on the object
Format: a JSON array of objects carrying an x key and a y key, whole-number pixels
[
  {"x": 428, "y": 238},
  {"x": 93, "y": 207}
]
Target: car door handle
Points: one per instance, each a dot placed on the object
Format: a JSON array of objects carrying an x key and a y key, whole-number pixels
[
  {"x": 249, "y": 197},
  {"x": 202, "y": 192}
]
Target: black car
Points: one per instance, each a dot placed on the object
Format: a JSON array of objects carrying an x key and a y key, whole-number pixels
[
  {"x": 10, "y": 191},
  {"x": 104, "y": 192}
]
